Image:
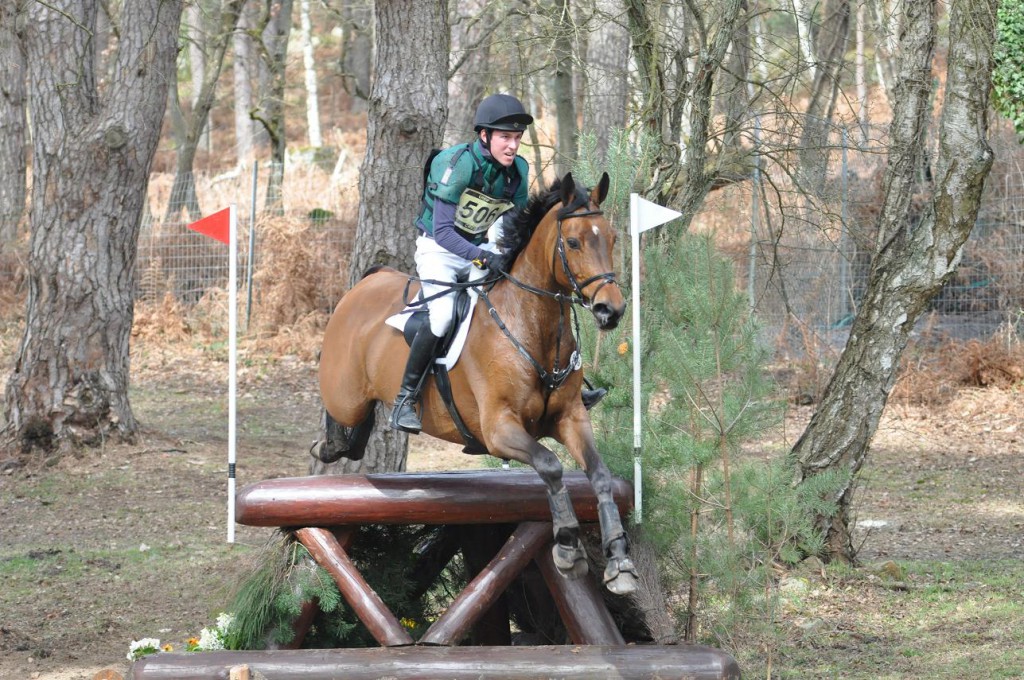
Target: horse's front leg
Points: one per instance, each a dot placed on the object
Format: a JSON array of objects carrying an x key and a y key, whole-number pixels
[
  {"x": 512, "y": 441},
  {"x": 620, "y": 575}
]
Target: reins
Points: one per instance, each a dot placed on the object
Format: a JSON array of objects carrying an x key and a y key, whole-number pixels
[{"x": 555, "y": 378}]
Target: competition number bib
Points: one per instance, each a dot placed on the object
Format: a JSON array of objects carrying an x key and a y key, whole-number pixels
[{"x": 478, "y": 211}]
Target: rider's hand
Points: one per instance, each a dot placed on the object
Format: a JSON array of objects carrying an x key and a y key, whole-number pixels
[{"x": 495, "y": 263}]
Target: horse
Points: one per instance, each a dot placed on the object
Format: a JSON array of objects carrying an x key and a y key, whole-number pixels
[{"x": 517, "y": 379}]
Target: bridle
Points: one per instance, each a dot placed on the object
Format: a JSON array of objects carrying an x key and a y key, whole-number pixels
[
  {"x": 578, "y": 286},
  {"x": 554, "y": 379}
]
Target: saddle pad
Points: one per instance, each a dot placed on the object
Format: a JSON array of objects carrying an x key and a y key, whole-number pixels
[{"x": 399, "y": 320}]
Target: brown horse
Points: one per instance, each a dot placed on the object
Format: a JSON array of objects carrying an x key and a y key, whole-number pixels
[{"x": 516, "y": 380}]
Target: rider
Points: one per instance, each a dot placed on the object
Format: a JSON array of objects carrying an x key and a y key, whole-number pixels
[{"x": 469, "y": 186}]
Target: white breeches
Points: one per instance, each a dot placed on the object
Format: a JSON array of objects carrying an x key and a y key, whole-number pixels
[{"x": 437, "y": 264}]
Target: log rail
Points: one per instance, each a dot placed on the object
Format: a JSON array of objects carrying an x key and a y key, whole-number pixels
[{"x": 324, "y": 512}]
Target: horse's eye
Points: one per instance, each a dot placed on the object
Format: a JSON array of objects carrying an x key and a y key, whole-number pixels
[{"x": 573, "y": 243}]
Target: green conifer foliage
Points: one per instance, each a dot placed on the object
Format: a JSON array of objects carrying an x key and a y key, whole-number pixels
[
  {"x": 271, "y": 597},
  {"x": 719, "y": 506}
]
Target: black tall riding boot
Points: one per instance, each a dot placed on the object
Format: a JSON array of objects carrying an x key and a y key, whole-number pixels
[
  {"x": 591, "y": 396},
  {"x": 421, "y": 353}
]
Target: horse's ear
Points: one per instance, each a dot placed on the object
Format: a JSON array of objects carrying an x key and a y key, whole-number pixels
[
  {"x": 600, "y": 192},
  {"x": 568, "y": 189}
]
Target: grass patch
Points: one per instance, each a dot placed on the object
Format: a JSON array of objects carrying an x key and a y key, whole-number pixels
[{"x": 943, "y": 620}]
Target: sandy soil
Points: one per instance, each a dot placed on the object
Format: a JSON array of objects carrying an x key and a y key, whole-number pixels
[{"x": 128, "y": 541}]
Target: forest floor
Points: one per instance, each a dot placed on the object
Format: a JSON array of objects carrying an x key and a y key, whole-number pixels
[{"x": 129, "y": 541}]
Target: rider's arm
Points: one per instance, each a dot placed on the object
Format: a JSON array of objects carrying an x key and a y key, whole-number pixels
[{"x": 448, "y": 237}]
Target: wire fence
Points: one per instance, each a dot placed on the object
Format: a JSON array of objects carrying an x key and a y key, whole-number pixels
[
  {"x": 803, "y": 254},
  {"x": 806, "y": 258},
  {"x": 292, "y": 260}
]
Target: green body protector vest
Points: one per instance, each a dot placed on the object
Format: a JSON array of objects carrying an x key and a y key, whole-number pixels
[{"x": 482, "y": 189}]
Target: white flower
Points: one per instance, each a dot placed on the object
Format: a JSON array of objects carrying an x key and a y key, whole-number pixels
[
  {"x": 140, "y": 648},
  {"x": 224, "y": 622},
  {"x": 210, "y": 640}
]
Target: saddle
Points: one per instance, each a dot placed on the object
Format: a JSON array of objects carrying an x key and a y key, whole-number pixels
[{"x": 439, "y": 369}]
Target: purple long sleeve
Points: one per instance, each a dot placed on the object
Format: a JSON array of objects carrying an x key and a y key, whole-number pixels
[{"x": 446, "y": 235}]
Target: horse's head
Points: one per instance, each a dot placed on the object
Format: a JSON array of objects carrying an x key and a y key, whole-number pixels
[{"x": 585, "y": 247}]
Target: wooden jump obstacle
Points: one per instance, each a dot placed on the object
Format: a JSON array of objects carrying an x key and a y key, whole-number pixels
[{"x": 324, "y": 513}]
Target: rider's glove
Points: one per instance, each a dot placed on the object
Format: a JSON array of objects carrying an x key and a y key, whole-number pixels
[{"x": 496, "y": 263}]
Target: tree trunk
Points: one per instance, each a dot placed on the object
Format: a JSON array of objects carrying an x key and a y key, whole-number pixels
[
  {"x": 608, "y": 80},
  {"x": 562, "y": 84},
  {"x": 653, "y": 113},
  {"x": 309, "y": 71},
  {"x": 733, "y": 90},
  {"x": 12, "y": 120},
  {"x": 242, "y": 80},
  {"x": 831, "y": 56},
  {"x": 189, "y": 131},
  {"x": 357, "y": 52},
  {"x": 913, "y": 257},
  {"x": 475, "y": 22},
  {"x": 887, "y": 25},
  {"x": 406, "y": 119},
  {"x": 197, "y": 49},
  {"x": 687, "y": 187},
  {"x": 803, "y": 12},
  {"x": 860, "y": 76},
  {"x": 70, "y": 379},
  {"x": 275, "y": 30}
]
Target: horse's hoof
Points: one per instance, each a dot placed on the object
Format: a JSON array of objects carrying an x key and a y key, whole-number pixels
[
  {"x": 570, "y": 562},
  {"x": 620, "y": 576},
  {"x": 326, "y": 454}
]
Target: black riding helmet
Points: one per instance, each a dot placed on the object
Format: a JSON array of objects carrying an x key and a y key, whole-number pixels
[{"x": 501, "y": 112}]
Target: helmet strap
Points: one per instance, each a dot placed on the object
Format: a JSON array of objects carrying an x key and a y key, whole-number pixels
[{"x": 486, "y": 141}]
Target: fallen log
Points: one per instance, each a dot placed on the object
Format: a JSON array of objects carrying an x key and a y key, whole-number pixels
[{"x": 632, "y": 662}]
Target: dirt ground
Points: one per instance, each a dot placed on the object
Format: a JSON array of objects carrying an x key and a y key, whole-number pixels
[{"x": 129, "y": 541}]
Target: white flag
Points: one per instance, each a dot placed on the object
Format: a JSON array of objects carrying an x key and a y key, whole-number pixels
[{"x": 647, "y": 215}]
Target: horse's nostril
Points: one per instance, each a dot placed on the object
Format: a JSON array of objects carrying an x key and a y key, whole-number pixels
[{"x": 606, "y": 315}]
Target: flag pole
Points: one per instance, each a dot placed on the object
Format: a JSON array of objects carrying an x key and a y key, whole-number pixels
[
  {"x": 232, "y": 363},
  {"x": 643, "y": 215},
  {"x": 634, "y": 239}
]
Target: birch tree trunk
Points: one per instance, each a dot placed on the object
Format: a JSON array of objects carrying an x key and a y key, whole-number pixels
[
  {"x": 805, "y": 44},
  {"x": 406, "y": 119},
  {"x": 913, "y": 258},
  {"x": 198, "y": 36},
  {"x": 92, "y": 153},
  {"x": 12, "y": 120},
  {"x": 860, "y": 75},
  {"x": 309, "y": 70},
  {"x": 242, "y": 71},
  {"x": 686, "y": 187},
  {"x": 831, "y": 50}
]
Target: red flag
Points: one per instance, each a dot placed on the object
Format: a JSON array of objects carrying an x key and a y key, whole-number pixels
[{"x": 217, "y": 225}]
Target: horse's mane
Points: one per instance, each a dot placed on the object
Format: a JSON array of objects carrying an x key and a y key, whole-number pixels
[{"x": 516, "y": 233}]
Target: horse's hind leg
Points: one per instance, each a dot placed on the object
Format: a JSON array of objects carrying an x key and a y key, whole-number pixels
[{"x": 343, "y": 442}]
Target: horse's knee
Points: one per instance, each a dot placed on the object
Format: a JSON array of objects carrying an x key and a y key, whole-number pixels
[{"x": 547, "y": 465}]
